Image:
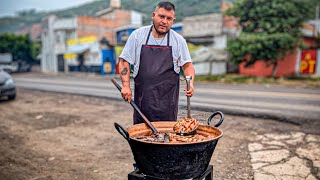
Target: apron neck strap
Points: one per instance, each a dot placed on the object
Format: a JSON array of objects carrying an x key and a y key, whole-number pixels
[
  {"x": 149, "y": 35},
  {"x": 168, "y": 37}
]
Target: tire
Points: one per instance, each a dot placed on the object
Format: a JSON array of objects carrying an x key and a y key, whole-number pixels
[{"x": 12, "y": 97}]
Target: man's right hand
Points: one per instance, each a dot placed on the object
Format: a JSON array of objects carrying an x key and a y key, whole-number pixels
[{"x": 126, "y": 94}]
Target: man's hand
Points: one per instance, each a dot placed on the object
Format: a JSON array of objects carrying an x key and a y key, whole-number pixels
[
  {"x": 191, "y": 90},
  {"x": 188, "y": 70},
  {"x": 126, "y": 94}
]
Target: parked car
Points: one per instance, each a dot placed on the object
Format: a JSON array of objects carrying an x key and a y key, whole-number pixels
[
  {"x": 7, "y": 63},
  {"x": 23, "y": 66},
  {"x": 10, "y": 68},
  {"x": 7, "y": 85}
]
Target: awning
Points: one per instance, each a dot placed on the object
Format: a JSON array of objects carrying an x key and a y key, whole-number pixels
[{"x": 77, "y": 49}]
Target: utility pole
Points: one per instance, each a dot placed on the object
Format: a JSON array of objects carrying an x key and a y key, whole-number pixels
[
  {"x": 317, "y": 11},
  {"x": 317, "y": 26},
  {"x": 317, "y": 23}
]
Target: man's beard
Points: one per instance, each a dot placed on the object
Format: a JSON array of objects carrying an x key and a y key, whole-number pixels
[{"x": 159, "y": 33}]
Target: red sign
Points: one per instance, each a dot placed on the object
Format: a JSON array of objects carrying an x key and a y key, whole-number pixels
[{"x": 308, "y": 61}]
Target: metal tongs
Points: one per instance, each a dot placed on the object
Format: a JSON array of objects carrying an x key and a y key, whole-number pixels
[{"x": 188, "y": 78}]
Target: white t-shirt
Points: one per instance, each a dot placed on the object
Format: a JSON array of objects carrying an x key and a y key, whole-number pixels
[{"x": 132, "y": 49}]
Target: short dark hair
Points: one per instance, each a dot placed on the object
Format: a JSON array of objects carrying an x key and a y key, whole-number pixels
[{"x": 166, "y": 5}]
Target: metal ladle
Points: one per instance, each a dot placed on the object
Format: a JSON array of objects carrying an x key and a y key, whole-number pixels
[
  {"x": 188, "y": 78},
  {"x": 133, "y": 104}
]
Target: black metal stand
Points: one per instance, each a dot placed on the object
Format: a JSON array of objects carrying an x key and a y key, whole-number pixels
[{"x": 135, "y": 175}]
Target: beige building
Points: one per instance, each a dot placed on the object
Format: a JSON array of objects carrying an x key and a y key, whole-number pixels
[{"x": 59, "y": 33}]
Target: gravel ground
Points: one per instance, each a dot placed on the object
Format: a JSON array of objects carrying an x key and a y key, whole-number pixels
[{"x": 61, "y": 136}]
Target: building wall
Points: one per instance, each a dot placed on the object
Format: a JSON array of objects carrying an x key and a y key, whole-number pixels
[
  {"x": 55, "y": 34},
  {"x": 228, "y": 21},
  {"x": 63, "y": 30},
  {"x": 310, "y": 42},
  {"x": 210, "y": 68},
  {"x": 123, "y": 17},
  {"x": 208, "y": 25},
  {"x": 285, "y": 67},
  {"x": 288, "y": 66},
  {"x": 96, "y": 22},
  {"x": 218, "y": 68},
  {"x": 100, "y": 27},
  {"x": 202, "y": 68},
  {"x": 66, "y": 23},
  {"x": 220, "y": 42},
  {"x": 48, "y": 54},
  {"x": 136, "y": 18},
  {"x": 60, "y": 42}
]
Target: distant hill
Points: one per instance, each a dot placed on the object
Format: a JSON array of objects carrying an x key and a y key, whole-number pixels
[
  {"x": 12, "y": 24},
  {"x": 183, "y": 8}
]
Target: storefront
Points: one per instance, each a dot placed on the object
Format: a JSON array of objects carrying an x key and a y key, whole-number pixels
[{"x": 87, "y": 54}]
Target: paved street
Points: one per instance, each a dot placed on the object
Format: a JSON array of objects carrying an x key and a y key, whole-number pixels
[{"x": 290, "y": 104}]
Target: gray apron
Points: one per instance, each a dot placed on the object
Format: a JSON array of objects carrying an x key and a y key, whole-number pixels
[{"x": 156, "y": 89}]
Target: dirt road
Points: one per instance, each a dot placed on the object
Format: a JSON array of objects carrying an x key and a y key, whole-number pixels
[{"x": 61, "y": 136}]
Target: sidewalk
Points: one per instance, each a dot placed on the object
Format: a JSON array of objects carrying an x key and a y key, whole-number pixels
[{"x": 292, "y": 155}]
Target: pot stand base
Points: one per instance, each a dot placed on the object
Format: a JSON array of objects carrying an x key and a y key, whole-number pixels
[{"x": 136, "y": 175}]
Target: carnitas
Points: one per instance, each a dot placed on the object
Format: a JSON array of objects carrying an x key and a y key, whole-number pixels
[
  {"x": 185, "y": 125},
  {"x": 173, "y": 138}
]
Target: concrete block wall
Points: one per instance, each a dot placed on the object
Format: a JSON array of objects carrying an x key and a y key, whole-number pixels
[{"x": 100, "y": 27}]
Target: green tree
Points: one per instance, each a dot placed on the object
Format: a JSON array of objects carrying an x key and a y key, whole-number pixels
[
  {"x": 20, "y": 46},
  {"x": 270, "y": 29}
]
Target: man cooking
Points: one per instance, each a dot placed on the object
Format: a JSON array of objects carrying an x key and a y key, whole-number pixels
[{"x": 157, "y": 53}]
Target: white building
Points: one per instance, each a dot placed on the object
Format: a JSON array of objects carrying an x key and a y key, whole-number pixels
[
  {"x": 55, "y": 34},
  {"x": 208, "y": 30}
]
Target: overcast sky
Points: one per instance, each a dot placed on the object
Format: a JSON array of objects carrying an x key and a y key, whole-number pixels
[{"x": 9, "y": 7}]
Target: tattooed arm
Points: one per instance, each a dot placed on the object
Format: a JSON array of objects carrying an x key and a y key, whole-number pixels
[{"x": 124, "y": 68}]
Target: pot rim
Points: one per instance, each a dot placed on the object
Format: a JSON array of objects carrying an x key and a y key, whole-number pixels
[{"x": 170, "y": 144}]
